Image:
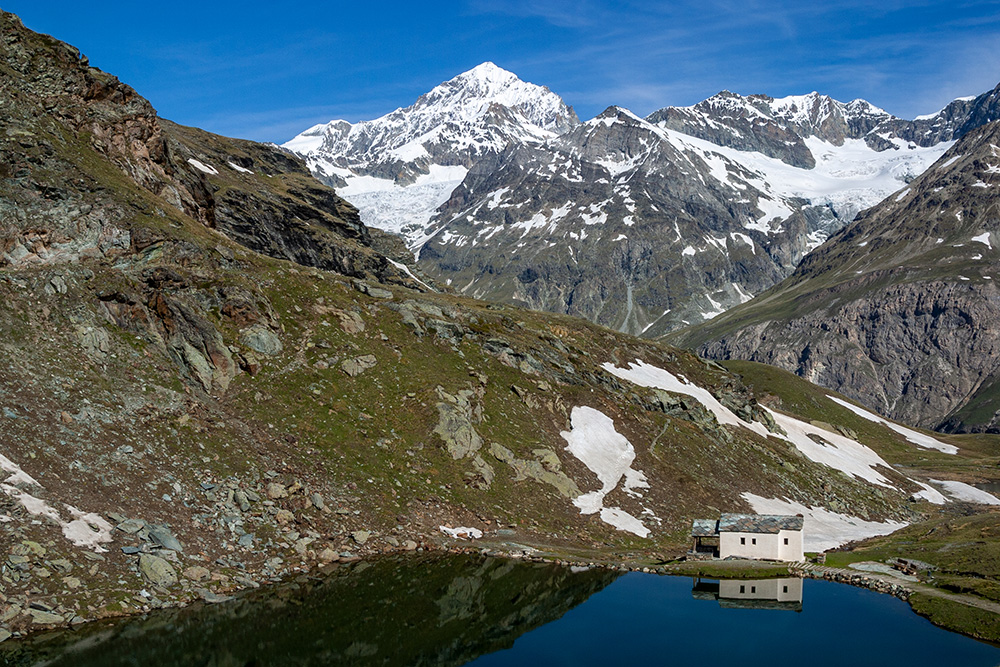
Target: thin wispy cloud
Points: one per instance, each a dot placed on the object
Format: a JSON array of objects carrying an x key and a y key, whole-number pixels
[
  {"x": 581, "y": 14},
  {"x": 252, "y": 60}
]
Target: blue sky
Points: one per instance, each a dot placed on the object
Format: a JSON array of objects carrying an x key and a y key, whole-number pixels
[{"x": 267, "y": 70}]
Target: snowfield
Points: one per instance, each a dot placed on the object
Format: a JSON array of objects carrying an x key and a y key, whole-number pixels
[
  {"x": 17, "y": 476},
  {"x": 967, "y": 492},
  {"x": 918, "y": 439},
  {"x": 399, "y": 209},
  {"x": 837, "y": 451},
  {"x": 823, "y": 529},
  {"x": 609, "y": 455},
  {"x": 849, "y": 178}
]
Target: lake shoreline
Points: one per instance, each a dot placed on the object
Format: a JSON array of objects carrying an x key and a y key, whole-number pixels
[
  {"x": 395, "y": 607},
  {"x": 712, "y": 569}
]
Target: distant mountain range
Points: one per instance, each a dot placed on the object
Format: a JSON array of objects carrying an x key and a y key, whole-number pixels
[{"x": 643, "y": 225}]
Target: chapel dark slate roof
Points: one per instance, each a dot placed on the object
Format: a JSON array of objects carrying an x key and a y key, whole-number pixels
[
  {"x": 705, "y": 528},
  {"x": 745, "y": 523},
  {"x": 758, "y": 523}
]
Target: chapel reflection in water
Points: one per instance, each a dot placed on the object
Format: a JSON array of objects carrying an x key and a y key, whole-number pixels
[{"x": 784, "y": 593}]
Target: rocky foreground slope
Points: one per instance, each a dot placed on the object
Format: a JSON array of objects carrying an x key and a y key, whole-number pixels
[
  {"x": 213, "y": 375},
  {"x": 900, "y": 309}
]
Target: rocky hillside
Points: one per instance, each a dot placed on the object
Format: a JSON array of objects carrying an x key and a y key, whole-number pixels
[
  {"x": 899, "y": 309},
  {"x": 78, "y": 142},
  {"x": 214, "y": 376}
]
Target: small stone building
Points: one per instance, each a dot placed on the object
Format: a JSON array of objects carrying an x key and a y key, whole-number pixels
[{"x": 757, "y": 536}]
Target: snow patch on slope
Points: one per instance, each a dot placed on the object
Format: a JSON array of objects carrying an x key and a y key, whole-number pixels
[
  {"x": 833, "y": 449},
  {"x": 405, "y": 269},
  {"x": 919, "y": 439},
  {"x": 202, "y": 167},
  {"x": 609, "y": 455},
  {"x": 930, "y": 494},
  {"x": 967, "y": 492},
  {"x": 85, "y": 529},
  {"x": 236, "y": 167},
  {"x": 983, "y": 238},
  {"x": 17, "y": 476},
  {"x": 823, "y": 529}
]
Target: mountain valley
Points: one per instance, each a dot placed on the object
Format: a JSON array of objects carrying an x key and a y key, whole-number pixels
[
  {"x": 219, "y": 376},
  {"x": 897, "y": 309}
]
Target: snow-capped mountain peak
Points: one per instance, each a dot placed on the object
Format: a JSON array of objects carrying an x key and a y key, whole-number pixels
[
  {"x": 861, "y": 107},
  {"x": 488, "y": 72},
  {"x": 427, "y": 148},
  {"x": 486, "y": 80},
  {"x": 469, "y": 96},
  {"x": 615, "y": 113}
]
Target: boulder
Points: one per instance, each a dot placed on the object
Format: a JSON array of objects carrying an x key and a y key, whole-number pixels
[
  {"x": 157, "y": 571},
  {"x": 358, "y": 365},
  {"x": 262, "y": 340}
]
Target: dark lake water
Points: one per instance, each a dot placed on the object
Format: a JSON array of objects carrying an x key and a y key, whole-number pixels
[{"x": 430, "y": 610}]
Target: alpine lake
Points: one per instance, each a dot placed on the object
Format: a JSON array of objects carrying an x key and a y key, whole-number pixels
[{"x": 456, "y": 610}]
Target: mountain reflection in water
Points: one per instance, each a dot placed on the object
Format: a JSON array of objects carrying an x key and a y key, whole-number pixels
[{"x": 418, "y": 610}]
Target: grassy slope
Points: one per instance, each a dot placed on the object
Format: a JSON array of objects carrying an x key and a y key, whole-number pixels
[{"x": 979, "y": 455}]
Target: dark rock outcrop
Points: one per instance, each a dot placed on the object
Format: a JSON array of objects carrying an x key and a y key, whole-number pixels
[{"x": 67, "y": 123}]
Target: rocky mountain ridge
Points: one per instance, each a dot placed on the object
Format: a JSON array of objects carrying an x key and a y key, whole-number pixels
[
  {"x": 774, "y": 127},
  {"x": 898, "y": 309},
  {"x": 755, "y": 183},
  {"x": 609, "y": 261},
  {"x": 778, "y": 127}
]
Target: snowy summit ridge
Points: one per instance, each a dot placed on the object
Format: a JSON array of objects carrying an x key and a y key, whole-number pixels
[
  {"x": 399, "y": 168},
  {"x": 470, "y": 94},
  {"x": 641, "y": 224}
]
